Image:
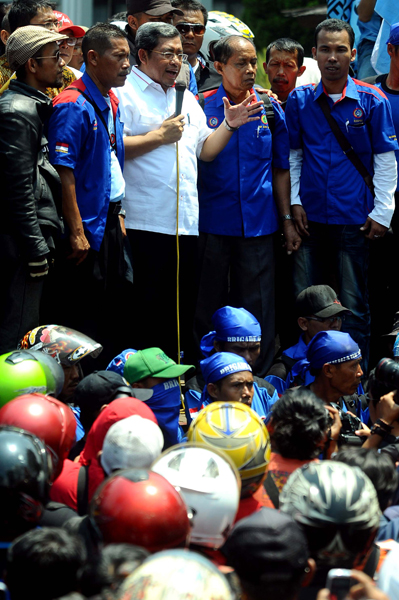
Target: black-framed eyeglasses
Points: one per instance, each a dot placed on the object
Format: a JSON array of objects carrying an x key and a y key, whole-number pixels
[
  {"x": 172, "y": 55},
  {"x": 327, "y": 319},
  {"x": 57, "y": 56},
  {"x": 196, "y": 28}
]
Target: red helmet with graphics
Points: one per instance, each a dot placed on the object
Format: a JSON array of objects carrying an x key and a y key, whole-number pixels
[
  {"x": 139, "y": 507},
  {"x": 66, "y": 345},
  {"x": 47, "y": 418}
]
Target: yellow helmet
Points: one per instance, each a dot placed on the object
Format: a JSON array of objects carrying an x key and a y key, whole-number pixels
[{"x": 239, "y": 432}]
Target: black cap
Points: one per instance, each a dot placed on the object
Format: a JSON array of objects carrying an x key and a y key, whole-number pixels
[
  {"x": 101, "y": 387},
  {"x": 267, "y": 546},
  {"x": 155, "y": 8},
  {"x": 320, "y": 301}
]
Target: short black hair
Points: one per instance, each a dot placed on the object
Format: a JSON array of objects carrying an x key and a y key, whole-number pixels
[
  {"x": 108, "y": 569},
  {"x": 224, "y": 48},
  {"x": 5, "y": 24},
  {"x": 287, "y": 45},
  {"x": 378, "y": 467},
  {"x": 99, "y": 38},
  {"x": 335, "y": 25},
  {"x": 23, "y": 11},
  {"x": 149, "y": 34},
  {"x": 300, "y": 422},
  {"x": 47, "y": 560},
  {"x": 120, "y": 16},
  {"x": 191, "y": 5},
  {"x": 378, "y": 388}
]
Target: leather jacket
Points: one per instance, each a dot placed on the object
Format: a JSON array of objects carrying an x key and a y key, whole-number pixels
[{"x": 30, "y": 188}]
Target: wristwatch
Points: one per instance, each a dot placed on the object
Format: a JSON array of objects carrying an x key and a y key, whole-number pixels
[
  {"x": 287, "y": 218},
  {"x": 122, "y": 213},
  {"x": 228, "y": 127}
]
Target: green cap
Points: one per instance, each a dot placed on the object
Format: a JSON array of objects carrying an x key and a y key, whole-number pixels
[{"x": 152, "y": 362}]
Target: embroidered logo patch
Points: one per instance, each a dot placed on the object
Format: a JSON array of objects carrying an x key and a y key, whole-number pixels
[
  {"x": 264, "y": 119},
  {"x": 61, "y": 147},
  {"x": 95, "y": 125},
  {"x": 213, "y": 121},
  {"x": 358, "y": 113}
]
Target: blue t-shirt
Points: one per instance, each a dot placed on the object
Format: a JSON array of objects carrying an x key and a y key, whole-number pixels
[
  {"x": 235, "y": 190},
  {"x": 331, "y": 189},
  {"x": 78, "y": 140},
  {"x": 393, "y": 97}
]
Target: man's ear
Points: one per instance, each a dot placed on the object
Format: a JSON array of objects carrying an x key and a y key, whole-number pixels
[
  {"x": 92, "y": 58},
  {"x": 314, "y": 50},
  {"x": 310, "y": 570},
  {"x": 133, "y": 23},
  {"x": 31, "y": 66},
  {"x": 218, "y": 67},
  {"x": 212, "y": 390},
  {"x": 138, "y": 384},
  {"x": 265, "y": 67},
  {"x": 303, "y": 324},
  {"x": 328, "y": 370},
  {"x": 301, "y": 70},
  {"x": 143, "y": 56},
  {"x": 353, "y": 54}
]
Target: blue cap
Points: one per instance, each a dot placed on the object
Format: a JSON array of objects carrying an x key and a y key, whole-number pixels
[
  {"x": 332, "y": 347},
  {"x": 221, "y": 365},
  {"x": 117, "y": 364},
  {"x": 394, "y": 35},
  {"x": 231, "y": 325}
]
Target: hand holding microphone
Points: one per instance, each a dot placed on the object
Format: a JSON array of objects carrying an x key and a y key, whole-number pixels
[{"x": 172, "y": 128}]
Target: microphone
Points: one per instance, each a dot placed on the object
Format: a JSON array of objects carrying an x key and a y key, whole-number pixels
[{"x": 180, "y": 88}]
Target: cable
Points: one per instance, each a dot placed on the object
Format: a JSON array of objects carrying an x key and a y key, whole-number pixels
[{"x": 178, "y": 269}]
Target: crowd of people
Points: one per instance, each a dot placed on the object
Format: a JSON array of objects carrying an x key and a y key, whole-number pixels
[{"x": 154, "y": 196}]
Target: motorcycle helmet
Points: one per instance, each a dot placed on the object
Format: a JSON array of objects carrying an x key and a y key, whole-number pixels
[
  {"x": 236, "y": 430},
  {"x": 176, "y": 574},
  {"x": 26, "y": 372},
  {"x": 66, "y": 345},
  {"x": 47, "y": 418},
  {"x": 139, "y": 507},
  {"x": 221, "y": 24},
  {"x": 25, "y": 472},
  {"x": 337, "y": 506},
  {"x": 210, "y": 485}
]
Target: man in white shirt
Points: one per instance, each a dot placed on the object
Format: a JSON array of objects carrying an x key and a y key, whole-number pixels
[{"x": 156, "y": 175}]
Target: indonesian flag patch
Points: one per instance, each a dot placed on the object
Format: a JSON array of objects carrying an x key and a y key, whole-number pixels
[{"x": 61, "y": 147}]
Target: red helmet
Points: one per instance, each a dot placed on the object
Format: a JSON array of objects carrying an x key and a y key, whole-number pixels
[
  {"x": 47, "y": 418},
  {"x": 139, "y": 507}
]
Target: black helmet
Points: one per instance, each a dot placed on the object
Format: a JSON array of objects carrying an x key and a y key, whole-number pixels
[
  {"x": 25, "y": 472},
  {"x": 337, "y": 506}
]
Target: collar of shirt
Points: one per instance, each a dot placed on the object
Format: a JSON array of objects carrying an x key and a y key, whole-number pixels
[
  {"x": 143, "y": 81},
  {"x": 222, "y": 92},
  {"x": 349, "y": 90},
  {"x": 95, "y": 93}
]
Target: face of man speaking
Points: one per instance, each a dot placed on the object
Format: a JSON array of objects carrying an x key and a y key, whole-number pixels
[
  {"x": 160, "y": 69},
  {"x": 239, "y": 72}
]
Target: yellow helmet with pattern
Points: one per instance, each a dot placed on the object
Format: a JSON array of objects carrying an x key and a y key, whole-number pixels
[{"x": 239, "y": 432}]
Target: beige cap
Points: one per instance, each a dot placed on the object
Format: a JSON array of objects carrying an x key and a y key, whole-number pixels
[{"x": 26, "y": 41}]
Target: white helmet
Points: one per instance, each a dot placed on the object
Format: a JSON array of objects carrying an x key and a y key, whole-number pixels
[
  {"x": 219, "y": 25},
  {"x": 210, "y": 485}
]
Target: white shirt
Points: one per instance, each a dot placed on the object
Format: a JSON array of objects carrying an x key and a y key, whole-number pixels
[
  {"x": 150, "y": 199},
  {"x": 117, "y": 182}
]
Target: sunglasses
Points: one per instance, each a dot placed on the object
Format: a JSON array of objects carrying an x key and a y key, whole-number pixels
[
  {"x": 56, "y": 56},
  {"x": 196, "y": 28},
  {"x": 330, "y": 320}
]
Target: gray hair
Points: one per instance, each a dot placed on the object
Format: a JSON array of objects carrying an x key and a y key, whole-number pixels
[{"x": 149, "y": 34}]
